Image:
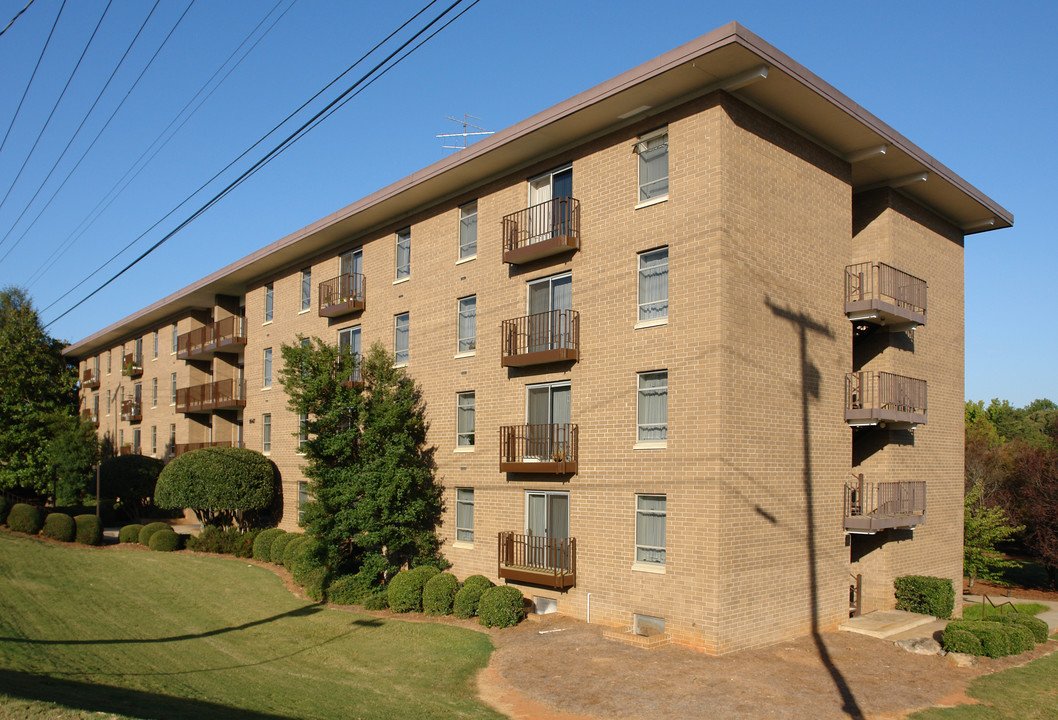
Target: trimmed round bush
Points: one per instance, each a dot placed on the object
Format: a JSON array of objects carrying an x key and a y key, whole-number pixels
[
  {"x": 344, "y": 590},
  {"x": 961, "y": 641},
  {"x": 1037, "y": 627},
  {"x": 314, "y": 581},
  {"x": 262, "y": 546},
  {"x": 5, "y": 508},
  {"x": 466, "y": 600},
  {"x": 378, "y": 600},
  {"x": 405, "y": 590},
  {"x": 59, "y": 526},
  {"x": 130, "y": 533},
  {"x": 995, "y": 642},
  {"x": 501, "y": 607},
  {"x": 164, "y": 541},
  {"x": 25, "y": 518},
  {"x": 439, "y": 593},
  {"x": 279, "y": 546},
  {"x": 1020, "y": 638},
  {"x": 218, "y": 483},
  {"x": 304, "y": 560},
  {"x": 149, "y": 529},
  {"x": 89, "y": 530},
  {"x": 291, "y": 549}
]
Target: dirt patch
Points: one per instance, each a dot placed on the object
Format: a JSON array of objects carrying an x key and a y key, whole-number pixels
[{"x": 997, "y": 592}]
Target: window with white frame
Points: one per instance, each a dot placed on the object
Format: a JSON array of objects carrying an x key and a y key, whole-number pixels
[
  {"x": 172, "y": 389},
  {"x": 176, "y": 339},
  {"x": 154, "y": 392},
  {"x": 465, "y": 515},
  {"x": 269, "y": 298},
  {"x": 467, "y": 331},
  {"x": 303, "y": 500},
  {"x": 653, "y": 411},
  {"x": 108, "y": 402},
  {"x": 266, "y": 432},
  {"x": 404, "y": 253},
  {"x": 267, "y": 368},
  {"x": 465, "y": 420},
  {"x": 172, "y": 438},
  {"x": 154, "y": 439},
  {"x": 303, "y": 431},
  {"x": 95, "y": 407},
  {"x": 136, "y": 444},
  {"x": 306, "y": 288},
  {"x": 468, "y": 230},
  {"x": 654, "y": 285},
  {"x": 155, "y": 343},
  {"x": 651, "y": 511},
  {"x": 108, "y": 361},
  {"x": 401, "y": 328},
  {"x": 349, "y": 344},
  {"x": 653, "y": 151}
]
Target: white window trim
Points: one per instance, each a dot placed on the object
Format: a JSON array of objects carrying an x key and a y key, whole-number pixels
[
  {"x": 466, "y": 448},
  {"x": 646, "y": 137},
  {"x": 648, "y": 568},
  {"x": 395, "y": 317},
  {"x": 402, "y": 280},
  {"x": 472, "y": 353},
  {"x": 652, "y": 201},
  {"x": 639, "y": 277},
  {"x": 468, "y": 258},
  {"x": 650, "y": 323},
  {"x": 638, "y": 565},
  {"x": 271, "y": 358},
  {"x": 463, "y": 543},
  {"x": 396, "y": 255},
  {"x": 459, "y": 237},
  {"x": 651, "y": 444},
  {"x": 459, "y": 301}
]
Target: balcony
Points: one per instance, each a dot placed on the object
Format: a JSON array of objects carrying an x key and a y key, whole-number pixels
[
  {"x": 181, "y": 448},
  {"x": 871, "y": 507},
  {"x": 131, "y": 410},
  {"x": 881, "y": 295},
  {"x": 546, "y": 229},
  {"x": 219, "y": 395},
  {"x": 342, "y": 295},
  {"x": 91, "y": 417},
  {"x": 132, "y": 365},
  {"x": 552, "y": 336},
  {"x": 129, "y": 449},
  {"x": 90, "y": 379},
  {"x": 542, "y": 449},
  {"x": 538, "y": 560},
  {"x": 227, "y": 335},
  {"x": 884, "y": 399}
]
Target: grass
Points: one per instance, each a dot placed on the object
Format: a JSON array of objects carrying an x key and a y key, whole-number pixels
[
  {"x": 136, "y": 634},
  {"x": 973, "y": 612}
]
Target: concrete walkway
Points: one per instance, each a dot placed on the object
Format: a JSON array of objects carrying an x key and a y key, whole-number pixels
[{"x": 1050, "y": 616}]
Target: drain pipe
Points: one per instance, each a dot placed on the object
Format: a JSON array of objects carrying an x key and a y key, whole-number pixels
[{"x": 589, "y": 608}]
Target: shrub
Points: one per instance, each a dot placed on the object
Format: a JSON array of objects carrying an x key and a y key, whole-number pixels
[
  {"x": 130, "y": 479},
  {"x": 439, "y": 593},
  {"x": 292, "y": 547},
  {"x": 5, "y": 508},
  {"x": 345, "y": 590},
  {"x": 25, "y": 518},
  {"x": 89, "y": 530},
  {"x": 262, "y": 546},
  {"x": 304, "y": 559},
  {"x": 165, "y": 541},
  {"x": 955, "y": 640},
  {"x": 924, "y": 594},
  {"x": 226, "y": 541},
  {"x": 376, "y": 600},
  {"x": 468, "y": 597},
  {"x": 149, "y": 529},
  {"x": 1020, "y": 638},
  {"x": 221, "y": 484},
  {"x": 130, "y": 533},
  {"x": 314, "y": 581},
  {"x": 501, "y": 606},
  {"x": 59, "y": 526},
  {"x": 405, "y": 589},
  {"x": 279, "y": 546},
  {"x": 1037, "y": 627}
]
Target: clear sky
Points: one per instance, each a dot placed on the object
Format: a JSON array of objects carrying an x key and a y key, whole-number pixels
[{"x": 966, "y": 81}]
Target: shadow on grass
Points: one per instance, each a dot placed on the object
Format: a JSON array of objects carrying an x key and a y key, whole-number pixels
[{"x": 108, "y": 699}]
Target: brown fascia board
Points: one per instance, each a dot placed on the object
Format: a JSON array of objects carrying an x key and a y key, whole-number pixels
[{"x": 472, "y": 167}]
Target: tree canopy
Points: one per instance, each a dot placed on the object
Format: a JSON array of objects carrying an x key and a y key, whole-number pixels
[{"x": 221, "y": 484}]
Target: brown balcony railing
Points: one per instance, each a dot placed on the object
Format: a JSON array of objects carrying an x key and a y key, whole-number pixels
[
  {"x": 89, "y": 416},
  {"x": 227, "y": 334},
  {"x": 90, "y": 379},
  {"x": 550, "y": 449},
  {"x": 211, "y": 396},
  {"x": 878, "y": 293},
  {"x": 546, "y": 337},
  {"x": 181, "y": 448},
  {"x": 542, "y": 230},
  {"x": 342, "y": 295},
  {"x": 129, "y": 449},
  {"x": 874, "y": 398},
  {"x": 131, "y": 410},
  {"x": 537, "y": 559},
  {"x": 870, "y": 507},
  {"x": 132, "y": 365}
]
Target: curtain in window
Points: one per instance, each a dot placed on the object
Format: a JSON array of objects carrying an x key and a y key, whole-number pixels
[
  {"x": 654, "y": 168},
  {"x": 654, "y": 285},
  {"x": 403, "y": 254},
  {"x": 650, "y": 529},
  {"x": 400, "y": 340},
  {"x": 465, "y": 420},
  {"x": 306, "y": 289},
  {"x": 653, "y": 406},
  {"x": 468, "y": 230},
  {"x": 467, "y": 324},
  {"x": 465, "y": 515}
]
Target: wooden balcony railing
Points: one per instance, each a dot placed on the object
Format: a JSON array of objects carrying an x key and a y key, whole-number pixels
[
  {"x": 546, "y": 229},
  {"x": 90, "y": 379},
  {"x": 129, "y": 449},
  {"x": 131, "y": 410},
  {"x": 228, "y": 334},
  {"x": 879, "y": 294},
  {"x": 132, "y": 365},
  {"x": 870, "y": 507},
  {"x": 549, "y": 449},
  {"x": 342, "y": 295},
  {"x": 211, "y": 396},
  {"x": 181, "y": 448},
  {"x": 89, "y": 416},
  {"x": 537, "y": 559},
  {"x": 886, "y": 399},
  {"x": 546, "y": 337}
]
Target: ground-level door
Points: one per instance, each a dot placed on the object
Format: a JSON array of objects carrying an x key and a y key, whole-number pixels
[{"x": 547, "y": 529}]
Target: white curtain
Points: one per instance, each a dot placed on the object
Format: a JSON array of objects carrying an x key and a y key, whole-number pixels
[
  {"x": 650, "y": 528},
  {"x": 467, "y": 324},
  {"x": 465, "y": 515},
  {"x": 654, "y": 285},
  {"x": 653, "y": 406},
  {"x": 468, "y": 230},
  {"x": 403, "y": 254},
  {"x": 400, "y": 340},
  {"x": 654, "y": 168},
  {"x": 465, "y": 420}
]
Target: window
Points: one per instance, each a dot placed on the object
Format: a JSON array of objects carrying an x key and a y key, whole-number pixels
[
  {"x": 269, "y": 297},
  {"x": 303, "y": 500},
  {"x": 154, "y": 392},
  {"x": 108, "y": 361},
  {"x": 156, "y": 344},
  {"x": 176, "y": 341},
  {"x": 465, "y": 420},
  {"x": 303, "y": 431},
  {"x": 136, "y": 440},
  {"x": 653, "y": 151},
  {"x": 154, "y": 439},
  {"x": 468, "y": 310},
  {"x": 95, "y": 365},
  {"x": 549, "y": 204},
  {"x": 465, "y": 515},
  {"x": 653, "y": 412},
  {"x": 468, "y": 230},
  {"x": 267, "y": 368},
  {"x": 266, "y": 432},
  {"x": 400, "y": 339},
  {"x": 172, "y": 389},
  {"x": 654, "y": 285},
  {"x": 404, "y": 253},
  {"x": 306, "y": 289},
  {"x": 650, "y": 529},
  {"x": 172, "y": 440},
  {"x": 108, "y": 402},
  {"x": 95, "y": 407},
  {"x": 349, "y": 342}
]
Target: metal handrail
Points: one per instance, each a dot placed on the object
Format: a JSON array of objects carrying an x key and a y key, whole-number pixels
[
  {"x": 548, "y": 330},
  {"x": 347, "y": 287},
  {"x": 229, "y": 330},
  {"x": 884, "y": 390},
  {"x": 885, "y": 499},
  {"x": 878, "y": 281},
  {"x": 551, "y": 218},
  {"x": 532, "y": 443},
  {"x": 538, "y": 553}
]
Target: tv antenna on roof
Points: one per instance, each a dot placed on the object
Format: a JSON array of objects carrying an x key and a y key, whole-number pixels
[{"x": 465, "y": 122}]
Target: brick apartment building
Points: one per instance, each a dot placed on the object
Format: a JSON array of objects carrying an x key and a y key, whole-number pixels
[{"x": 673, "y": 335}]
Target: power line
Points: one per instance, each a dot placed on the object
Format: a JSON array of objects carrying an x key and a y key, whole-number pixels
[
  {"x": 16, "y": 17},
  {"x": 290, "y": 139},
  {"x": 34, "y": 73}
]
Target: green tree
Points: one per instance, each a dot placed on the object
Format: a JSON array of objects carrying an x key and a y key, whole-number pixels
[
  {"x": 221, "y": 484},
  {"x": 36, "y": 384},
  {"x": 376, "y": 500},
  {"x": 72, "y": 452},
  {"x": 984, "y": 527}
]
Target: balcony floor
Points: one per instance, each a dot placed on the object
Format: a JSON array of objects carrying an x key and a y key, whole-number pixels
[
  {"x": 893, "y": 419},
  {"x": 880, "y": 312},
  {"x": 542, "y": 249},
  {"x": 877, "y": 523},
  {"x": 539, "y": 467},
  {"x": 342, "y": 308},
  {"x": 537, "y": 576},
  {"x": 540, "y": 357}
]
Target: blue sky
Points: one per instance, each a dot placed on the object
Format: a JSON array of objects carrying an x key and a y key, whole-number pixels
[{"x": 963, "y": 80}]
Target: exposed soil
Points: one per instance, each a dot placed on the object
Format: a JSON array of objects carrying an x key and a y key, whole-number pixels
[{"x": 997, "y": 592}]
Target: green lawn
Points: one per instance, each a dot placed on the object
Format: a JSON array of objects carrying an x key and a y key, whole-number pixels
[
  {"x": 154, "y": 635},
  {"x": 973, "y": 612}
]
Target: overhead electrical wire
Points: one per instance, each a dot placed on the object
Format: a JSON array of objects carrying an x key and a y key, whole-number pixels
[
  {"x": 274, "y": 152},
  {"x": 16, "y": 17},
  {"x": 33, "y": 74}
]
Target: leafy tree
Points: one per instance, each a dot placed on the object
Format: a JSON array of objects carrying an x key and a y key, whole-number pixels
[
  {"x": 221, "y": 484},
  {"x": 131, "y": 480},
  {"x": 984, "y": 527},
  {"x": 72, "y": 453},
  {"x": 36, "y": 383},
  {"x": 1034, "y": 473},
  {"x": 376, "y": 501}
]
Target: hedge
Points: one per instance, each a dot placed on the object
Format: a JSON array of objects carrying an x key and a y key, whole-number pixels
[
  {"x": 926, "y": 595},
  {"x": 961, "y": 641},
  {"x": 279, "y": 546},
  {"x": 501, "y": 606},
  {"x": 89, "y": 530},
  {"x": 405, "y": 590},
  {"x": 59, "y": 526},
  {"x": 304, "y": 560},
  {"x": 226, "y": 541},
  {"x": 130, "y": 533},
  {"x": 1037, "y": 627},
  {"x": 998, "y": 639},
  {"x": 25, "y": 518},
  {"x": 439, "y": 593},
  {"x": 149, "y": 529},
  {"x": 466, "y": 600},
  {"x": 221, "y": 484},
  {"x": 291, "y": 549},
  {"x": 164, "y": 541},
  {"x": 262, "y": 546}
]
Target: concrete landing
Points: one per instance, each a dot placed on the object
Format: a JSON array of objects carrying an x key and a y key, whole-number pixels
[{"x": 885, "y": 623}]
